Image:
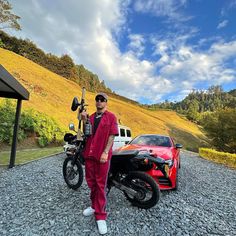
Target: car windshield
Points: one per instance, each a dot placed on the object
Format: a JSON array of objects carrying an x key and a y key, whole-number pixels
[{"x": 152, "y": 140}]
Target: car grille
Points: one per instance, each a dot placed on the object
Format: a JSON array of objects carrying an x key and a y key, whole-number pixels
[{"x": 164, "y": 181}]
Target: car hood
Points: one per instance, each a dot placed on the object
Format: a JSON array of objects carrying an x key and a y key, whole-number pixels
[{"x": 164, "y": 152}]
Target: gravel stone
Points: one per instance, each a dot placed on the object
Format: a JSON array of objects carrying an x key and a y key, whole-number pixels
[{"x": 35, "y": 200}]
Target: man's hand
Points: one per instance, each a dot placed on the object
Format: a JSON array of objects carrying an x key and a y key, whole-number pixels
[
  {"x": 104, "y": 157},
  {"x": 84, "y": 115}
]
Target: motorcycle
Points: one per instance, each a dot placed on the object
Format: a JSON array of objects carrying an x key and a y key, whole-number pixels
[
  {"x": 72, "y": 166},
  {"x": 127, "y": 171}
]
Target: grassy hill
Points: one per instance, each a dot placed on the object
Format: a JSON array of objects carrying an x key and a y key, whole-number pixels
[{"x": 52, "y": 94}]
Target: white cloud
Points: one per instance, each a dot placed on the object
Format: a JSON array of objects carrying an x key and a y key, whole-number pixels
[
  {"x": 187, "y": 67},
  {"x": 222, "y": 24},
  {"x": 88, "y": 31},
  {"x": 136, "y": 44},
  {"x": 162, "y": 8},
  {"x": 85, "y": 31},
  {"x": 231, "y": 4}
]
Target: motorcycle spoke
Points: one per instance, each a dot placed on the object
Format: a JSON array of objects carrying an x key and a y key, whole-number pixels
[{"x": 72, "y": 173}]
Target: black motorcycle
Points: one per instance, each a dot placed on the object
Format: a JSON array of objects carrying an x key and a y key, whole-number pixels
[
  {"x": 127, "y": 172},
  {"x": 72, "y": 167}
]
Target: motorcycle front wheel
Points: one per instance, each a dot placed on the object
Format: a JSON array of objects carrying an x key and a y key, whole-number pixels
[
  {"x": 147, "y": 190},
  {"x": 73, "y": 173}
]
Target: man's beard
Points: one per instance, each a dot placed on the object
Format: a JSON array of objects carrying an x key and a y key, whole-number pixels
[{"x": 99, "y": 108}]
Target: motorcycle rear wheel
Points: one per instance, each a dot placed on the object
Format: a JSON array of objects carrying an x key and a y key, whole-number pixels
[
  {"x": 73, "y": 173},
  {"x": 145, "y": 185}
]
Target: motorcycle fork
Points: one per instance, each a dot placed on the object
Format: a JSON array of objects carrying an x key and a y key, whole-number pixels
[{"x": 76, "y": 156}]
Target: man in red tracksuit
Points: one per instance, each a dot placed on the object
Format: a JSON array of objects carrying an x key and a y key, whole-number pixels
[{"x": 97, "y": 153}]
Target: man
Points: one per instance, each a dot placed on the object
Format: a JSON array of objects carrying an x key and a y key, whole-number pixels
[{"x": 97, "y": 153}]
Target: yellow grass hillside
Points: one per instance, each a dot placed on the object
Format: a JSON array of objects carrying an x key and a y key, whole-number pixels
[{"x": 53, "y": 94}]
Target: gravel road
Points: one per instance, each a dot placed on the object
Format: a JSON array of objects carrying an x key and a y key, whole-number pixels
[{"x": 34, "y": 200}]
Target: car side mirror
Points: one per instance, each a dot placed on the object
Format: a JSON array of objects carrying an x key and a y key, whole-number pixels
[
  {"x": 177, "y": 145},
  {"x": 75, "y": 104}
]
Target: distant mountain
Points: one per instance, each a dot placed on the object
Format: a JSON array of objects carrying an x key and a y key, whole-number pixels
[{"x": 52, "y": 94}]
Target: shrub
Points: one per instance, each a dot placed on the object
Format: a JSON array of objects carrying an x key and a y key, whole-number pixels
[
  {"x": 228, "y": 159},
  {"x": 7, "y": 114},
  {"x": 32, "y": 122},
  {"x": 46, "y": 128}
]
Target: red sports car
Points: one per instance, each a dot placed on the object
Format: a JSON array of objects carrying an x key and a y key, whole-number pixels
[{"x": 164, "y": 147}]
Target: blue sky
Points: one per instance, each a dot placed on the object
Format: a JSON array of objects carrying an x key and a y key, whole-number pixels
[{"x": 147, "y": 50}]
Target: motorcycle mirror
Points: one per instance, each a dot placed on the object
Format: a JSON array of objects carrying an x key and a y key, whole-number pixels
[
  {"x": 71, "y": 127},
  {"x": 75, "y": 104}
]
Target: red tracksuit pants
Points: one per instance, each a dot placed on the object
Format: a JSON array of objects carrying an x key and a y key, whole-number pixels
[{"x": 96, "y": 176}]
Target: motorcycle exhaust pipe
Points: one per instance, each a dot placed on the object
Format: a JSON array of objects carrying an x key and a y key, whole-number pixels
[{"x": 124, "y": 188}]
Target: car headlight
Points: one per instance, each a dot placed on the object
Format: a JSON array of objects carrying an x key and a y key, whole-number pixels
[{"x": 170, "y": 162}]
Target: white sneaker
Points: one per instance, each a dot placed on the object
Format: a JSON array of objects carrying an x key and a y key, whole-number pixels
[
  {"x": 88, "y": 211},
  {"x": 102, "y": 226}
]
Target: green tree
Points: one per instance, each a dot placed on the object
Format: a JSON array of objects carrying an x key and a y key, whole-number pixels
[
  {"x": 2, "y": 45},
  {"x": 7, "y": 18},
  {"x": 66, "y": 67},
  {"x": 233, "y": 92},
  {"x": 221, "y": 128},
  {"x": 192, "y": 112}
]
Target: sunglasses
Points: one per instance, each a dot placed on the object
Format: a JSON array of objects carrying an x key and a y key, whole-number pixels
[{"x": 101, "y": 99}]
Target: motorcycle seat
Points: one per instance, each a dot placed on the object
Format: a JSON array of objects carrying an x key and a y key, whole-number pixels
[{"x": 124, "y": 154}]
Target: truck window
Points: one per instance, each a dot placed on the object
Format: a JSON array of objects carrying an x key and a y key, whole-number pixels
[
  {"x": 128, "y": 132},
  {"x": 122, "y": 132}
]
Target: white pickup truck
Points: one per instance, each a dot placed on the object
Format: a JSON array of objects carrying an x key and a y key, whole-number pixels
[{"x": 123, "y": 138}]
